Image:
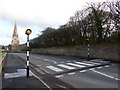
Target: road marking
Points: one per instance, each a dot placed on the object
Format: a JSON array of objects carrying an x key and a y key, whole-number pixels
[
  {"x": 84, "y": 63},
  {"x": 54, "y": 68},
  {"x": 99, "y": 67},
  {"x": 92, "y": 69},
  {"x": 117, "y": 79},
  {"x": 38, "y": 70},
  {"x": 41, "y": 81},
  {"x": 50, "y": 61},
  {"x": 65, "y": 66},
  {"x": 47, "y": 64},
  {"x": 46, "y": 59},
  {"x": 61, "y": 86},
  {"x": 91, "y": 62},
  {"x": 103, "y": 74},
  {"x": 35, "y": 75},
  {"x": 100, "y": 61},
  {"x": 68, "y": 61},
  {"x": 76, "y": 65},
  {"x": 83, "y": 71},
  {"x": 71, "y": 73},
  {"x": 39, "y": 65},
  {"x": 58, "y": 76},
  {"x": 107, "y": 66},
  {"x": 19, "y": 73},
  {"x": 37, "y": 57}
]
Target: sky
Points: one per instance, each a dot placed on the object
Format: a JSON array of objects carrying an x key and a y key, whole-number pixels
[{"x": 35, "y": 15}]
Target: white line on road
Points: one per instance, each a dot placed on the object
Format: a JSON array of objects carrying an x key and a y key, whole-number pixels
[
  {"x": 35, "y": 75},
  {"x": 65, "y": 66},
  {"x": 107, "y": 66},
  {"x": 61, "y": 62},
  {"x": 117, "y": 79},
  {"x": 99, "y": 67},
  {"x": 61, "y": 86},
  {"x": 76, "y": 65},
  {"x": 71, "y": 73},
  {"x": 103, "y": 74},
  {"x": 84, "y": 63},
  {"x": 41, "y": 81},
  {"x": 39, "y": 65},
  {"x": 68, "y": 61},
  {"x": 50, "y": 61},
  {"x": 37, "y": 57},
  {"x": 91, "y": 62},
  {"x": 92, "y": 69},
  {"x": 54, "y": 68},
  {"x": 83, "y": 71},
  {"x": 58, "y": 76}
]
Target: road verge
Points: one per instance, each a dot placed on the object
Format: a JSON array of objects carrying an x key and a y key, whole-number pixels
[{"x": 3, "y": 56}]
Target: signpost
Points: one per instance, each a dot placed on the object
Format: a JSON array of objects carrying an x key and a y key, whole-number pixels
[{"x": 28, "y": 32}]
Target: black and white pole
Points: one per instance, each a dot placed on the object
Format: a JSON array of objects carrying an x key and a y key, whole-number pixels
[
  {"x": 28, "y": 31},
  {"x": 88, "y": 48},
  {"x": 27, "y": 55}
]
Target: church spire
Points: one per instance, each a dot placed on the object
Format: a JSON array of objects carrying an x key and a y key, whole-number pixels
[
  {"x": 15, "y": 41},
  {"x": 15, "y": 30}
]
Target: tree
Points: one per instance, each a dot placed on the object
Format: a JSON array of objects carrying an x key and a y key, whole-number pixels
[{"x": 115, "y": 11}]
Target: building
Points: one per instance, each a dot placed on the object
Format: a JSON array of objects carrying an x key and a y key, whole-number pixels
[{"x": 15, "y": 41}]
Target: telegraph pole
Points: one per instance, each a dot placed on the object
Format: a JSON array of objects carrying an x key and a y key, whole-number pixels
[{"x": 28, "y": 32}]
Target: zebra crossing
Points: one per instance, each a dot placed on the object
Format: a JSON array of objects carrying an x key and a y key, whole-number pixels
[{"x": 71, "y": 65}]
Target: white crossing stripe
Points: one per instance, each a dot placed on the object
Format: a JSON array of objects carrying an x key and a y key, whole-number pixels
[
  {"x": 71, "y": 73},
  {"x": 99, "y": 67},
  {"x": 76, "y": 65},
  {"x": 83, "y": 71},
  {"x": 91, "y": 62},
  {"x": 84, "y": 63},
  {"x": 59, "y": 76},
  {"x": 117, "y": 79},
  {"x": 107, "y": 66},
  {"x": 92, "y": 69},
  {"x": 65, "y": 66},
  {"x": 54, "y": 68}
]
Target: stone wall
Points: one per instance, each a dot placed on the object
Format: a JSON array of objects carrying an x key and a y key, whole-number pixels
[{"x": 96, "y": 51}]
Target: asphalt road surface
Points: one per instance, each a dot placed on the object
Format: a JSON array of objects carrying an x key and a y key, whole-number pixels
[{"x": 73, "y": 72}]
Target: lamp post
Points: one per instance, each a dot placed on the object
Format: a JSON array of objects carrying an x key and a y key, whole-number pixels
[{"x": 28, "y": 32}]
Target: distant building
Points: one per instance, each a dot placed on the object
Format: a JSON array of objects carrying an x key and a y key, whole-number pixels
[{"x": 15, "y": 41}]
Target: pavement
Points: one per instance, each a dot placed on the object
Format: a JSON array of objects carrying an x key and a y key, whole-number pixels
[
  {"x": 2, "y": 56},
  {"x": 12, "y": 79}
]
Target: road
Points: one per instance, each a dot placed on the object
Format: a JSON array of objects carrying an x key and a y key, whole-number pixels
[{"x": 74, "y": 72}]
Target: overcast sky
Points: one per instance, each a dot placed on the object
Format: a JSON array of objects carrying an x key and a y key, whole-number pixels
[{"x": 36, "y": 15}]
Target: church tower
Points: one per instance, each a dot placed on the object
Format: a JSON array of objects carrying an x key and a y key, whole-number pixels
[{"x": 15, "y": 41}]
